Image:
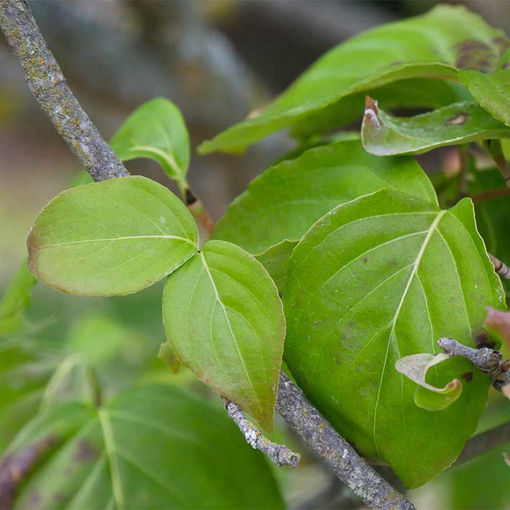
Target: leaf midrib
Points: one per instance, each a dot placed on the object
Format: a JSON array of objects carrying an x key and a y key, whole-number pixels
[
  {"x": 419, "y": 257},
  {"x": 234, "y": 338},
  {"x": 113, "y": 239}
]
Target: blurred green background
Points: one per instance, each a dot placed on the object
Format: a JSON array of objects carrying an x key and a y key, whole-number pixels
[{"x": 217, "y": 60}]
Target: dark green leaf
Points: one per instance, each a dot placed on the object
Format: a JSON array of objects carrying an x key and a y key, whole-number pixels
[
  {"x": 112, "y": 237},
  {"x": 286, "y": 199},
  {"x": 151, "y": 447},
  {"x": 156, "y": 130},
  {"x": 224, "y": 320},
  {"x": 384, "y": 135},
  {"x": 433, "y": 45},
  {"x": 374, "y": 280}
]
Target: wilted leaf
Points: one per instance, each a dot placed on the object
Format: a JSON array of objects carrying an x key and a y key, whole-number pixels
[
  {"x": 150, "y": 447},
  {"x": 416, "y": 366},
  {"x": 112, "y": 237},
  {"x": 433, "y": 45},
  {"x": 384, "y": 134},
  {"x": 224, "y": 321},
  {"x": 374, "y": 280},
  {"x": 156, "y": 130},
  {"x": 286, "y": 199},
  {"x": 491, "y": 91}
]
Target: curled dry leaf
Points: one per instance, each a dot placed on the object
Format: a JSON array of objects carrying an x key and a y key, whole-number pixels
[{"x": 416, "y": 367}]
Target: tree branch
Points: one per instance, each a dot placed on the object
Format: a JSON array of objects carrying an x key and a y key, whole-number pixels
[
  {"x": 334, "y": 450},
  {"x": 47, "y": 83},
  {"x": 277, "y": 453},
  {"x": 489, "y": 361},
  {"x": 500, "y": 267},
  {"x": 484, "y": 442}
]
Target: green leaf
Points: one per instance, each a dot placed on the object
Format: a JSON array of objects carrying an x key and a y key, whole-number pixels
[
  {"x": 434, "y": 45},
  {"x": 156, "y": 130},
  {"x": 427, "y": 396},
  {"x": 427, "y": 93},
  {"x": 491, "y": 91},
  {"x": 150, "y": 447},
  {"x": 276, "y": 260},
  {"x": 224, "y": 321},
  {"x": 376, "y": 279},
  {"x": 384, "y": 135},
  {"x": 33, "y": 376},
  {"x": 16, "y": 299},
  {"x": 286, "y": 199},
  {"x": 112, "y": 237}
]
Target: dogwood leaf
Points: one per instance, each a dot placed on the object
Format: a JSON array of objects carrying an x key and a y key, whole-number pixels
[
  {"x": 224, "y": 321},
  {"x": 374, "y": 280},
  {"x": 112, "y": 237},
  {"x": 384, "y": 134}
]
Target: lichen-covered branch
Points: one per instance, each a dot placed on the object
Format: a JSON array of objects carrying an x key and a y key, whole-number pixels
[
  {"x": 334, "y": 450},
  {"x": 47, "y": 83},
  {"x": 484, "y": 442},
  {"x": 489, "y": 361},
  {"x": 278, "y": 454}
]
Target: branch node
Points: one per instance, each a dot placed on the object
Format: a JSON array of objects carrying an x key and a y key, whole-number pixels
[
  {"x": 489, "y": 361},
  {"x": 278, "y": 454}
]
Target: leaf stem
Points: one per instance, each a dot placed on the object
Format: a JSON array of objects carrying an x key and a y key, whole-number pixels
[
  {"x": 484, "y": 442},
  {"x": 496, "y": 151},
  {"x": 492, "y": 193}
]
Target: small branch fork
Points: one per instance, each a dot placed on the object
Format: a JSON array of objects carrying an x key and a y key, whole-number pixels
[
  {"x": 277, "y": 453},
  {"x": 489, "y": 361},
  {"x": 46, "y": 81}
]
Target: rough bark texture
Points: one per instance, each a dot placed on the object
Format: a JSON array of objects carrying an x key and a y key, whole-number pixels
[
  {"x": 278, "y": 454},
  {"x": 334, "y": 450},
  {"x": 47, "y": 83}
]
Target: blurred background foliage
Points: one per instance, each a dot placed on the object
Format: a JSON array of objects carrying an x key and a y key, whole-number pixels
[{"x": 217, "y": 60}]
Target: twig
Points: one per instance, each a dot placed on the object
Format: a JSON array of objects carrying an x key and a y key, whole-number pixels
[
  {"x": 500, "y": 267},
  {"x": 47, "y": 83},
  {"x": 277, "y": 453},
  {"x": 489, "y": 361},
  {"x": 334, "y": 450},
  {"x": 492, "y": 193},
  {"x": 495, "y": 150},
  {"x": 484, "y": 442}
]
